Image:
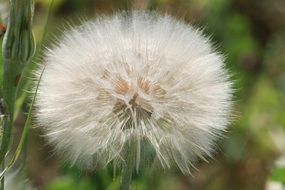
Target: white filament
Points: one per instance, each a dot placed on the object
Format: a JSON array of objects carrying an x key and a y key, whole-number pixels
[{"x": 134, "y": 76}]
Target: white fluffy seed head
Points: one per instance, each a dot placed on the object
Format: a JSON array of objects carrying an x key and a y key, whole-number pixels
[{"x": 134, "y": 80}]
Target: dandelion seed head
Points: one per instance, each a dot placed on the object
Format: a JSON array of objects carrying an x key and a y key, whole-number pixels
[{"x": 137, "y": 77}]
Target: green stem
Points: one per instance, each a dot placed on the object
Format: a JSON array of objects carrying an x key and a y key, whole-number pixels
[
  {"x": 126, "y": 178},
  {"x": 18, "y": 49},
  {"x": 24, "y": 133},
  {"x": 128, "y": 168}
]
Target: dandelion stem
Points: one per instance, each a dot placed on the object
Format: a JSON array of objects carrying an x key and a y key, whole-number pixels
[
  {"x": 128, "y": 168},
  {"x": 126, "y": 178}
]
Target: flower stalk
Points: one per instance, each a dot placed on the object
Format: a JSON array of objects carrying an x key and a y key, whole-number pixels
[
  {"x": 128, "y": 168},
  {"x": 18, "y": 49}
]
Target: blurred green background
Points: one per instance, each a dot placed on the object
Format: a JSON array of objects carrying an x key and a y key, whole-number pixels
[{"x": 251, "y": 33}]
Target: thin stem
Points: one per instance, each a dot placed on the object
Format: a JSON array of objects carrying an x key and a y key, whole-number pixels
[
  {"x": 24, "y": 133},
  {"x": 128, "y": 168},
  {"x": 126, "y": 178}
]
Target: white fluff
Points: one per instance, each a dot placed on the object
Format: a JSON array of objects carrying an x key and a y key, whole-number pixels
[{"x": 137, "y": 78}]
